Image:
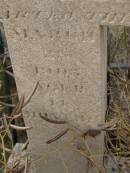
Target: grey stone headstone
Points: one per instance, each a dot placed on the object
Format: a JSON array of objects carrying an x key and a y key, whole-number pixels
[{"x": 63, "y": 45}]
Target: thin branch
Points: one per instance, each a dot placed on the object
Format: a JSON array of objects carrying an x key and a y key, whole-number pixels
[
  {"x": 19, "y": 106},
  {"x": 7, "y": 104},
  {"x": 9, "y": 73},
  {"x": 30, "y": 97},
  {"x": 19, "y": 128},
  {"x": 52, "y": 121},
  {"x": 58, "y": 136}
]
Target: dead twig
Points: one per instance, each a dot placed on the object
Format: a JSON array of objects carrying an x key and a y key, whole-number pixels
[
  {"x": 58, "y": 136},
  {"x": 30, "y": 97},
  {"x": 9, "y": 73},
  {"x": 19, "y": 128},
  {"x": 94, "y": 131},
  {"x": 52, "y": 121},
  {"x": 6, "y": 149},
  {"x": 7, "y": 104},
  {"x": 19, "y": 106},
  {"x": 24, "y": 147}
]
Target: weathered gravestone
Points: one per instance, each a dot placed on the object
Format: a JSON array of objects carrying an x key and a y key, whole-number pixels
[{"x": 63, "y": 45}]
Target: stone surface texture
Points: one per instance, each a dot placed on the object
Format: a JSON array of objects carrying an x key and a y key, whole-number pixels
[{"x": 63, "y": 45}]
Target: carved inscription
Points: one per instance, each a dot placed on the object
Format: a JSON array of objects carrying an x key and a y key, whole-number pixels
[
  {"x": 36, "y": 115},
  {"x": 53, "y": 15},
  {"x": 49, "y": 14},
  {"x": 60, "y": 34},
  {"x": 55, "y": 91},
  {"x": 66, "y": 15},
  {"x": 60, "y": 73},
  {"x": 64, "y": 33}
]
